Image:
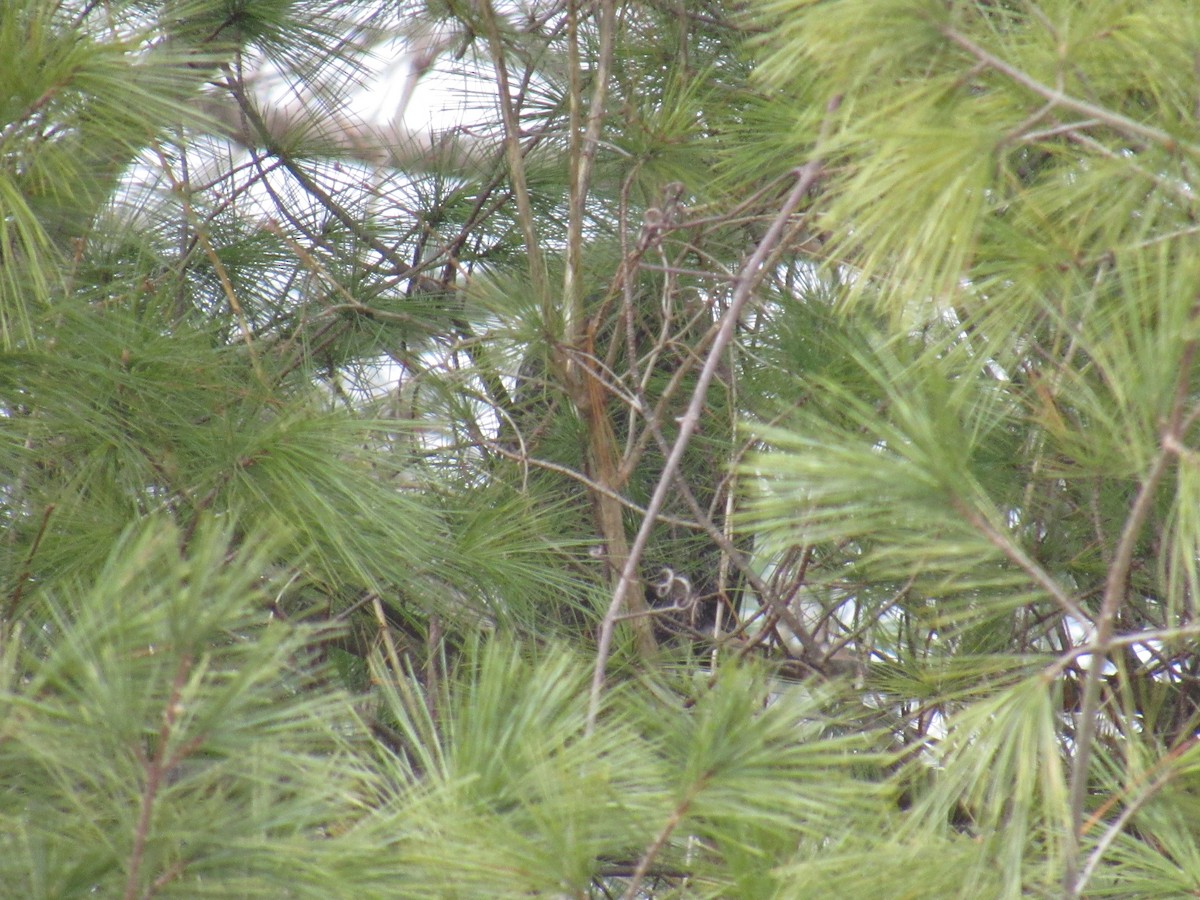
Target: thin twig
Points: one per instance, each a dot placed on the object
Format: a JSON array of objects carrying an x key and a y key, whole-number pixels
[
  {"x": 516, "y": 165},
  {"x": 591, "y": 484},
  {"x": 352, "y": 223},
  {"x": 660, "y": 840},
  {"x": 1134, "y": 639},
  {"x": 181, "y": 190},
  {"x": 1113, "y": 831},
  {"x": 156, "y": 772},
  {"x": 1160, "y": 180},
  {"x": 385, "y": 634},
  {"x": 14, "y": 600},
  {"x": 1023, "y": 561}
]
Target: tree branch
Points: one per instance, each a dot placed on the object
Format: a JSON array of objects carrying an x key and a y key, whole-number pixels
[
  {"x": 1057, "y": 97},
  {"x": 660, "y": 840},
  {"x": 1024, "y": 562},
  {"x": 744, "y": 284},
  {"x": 583, "y": 153},
  {"x": 1115, "y": 587},
  {"x": 516, "y": 167},
  {"x": 157, "y": 769}
]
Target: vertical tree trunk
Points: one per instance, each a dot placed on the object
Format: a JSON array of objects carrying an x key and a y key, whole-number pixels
[{"x": 603, "y": 461}]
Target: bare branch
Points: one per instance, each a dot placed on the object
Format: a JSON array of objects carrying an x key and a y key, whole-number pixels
[{"x": 1058, "y": 98}]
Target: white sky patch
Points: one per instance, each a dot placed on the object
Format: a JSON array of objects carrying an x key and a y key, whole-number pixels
[{"x": 427, "y": 83}]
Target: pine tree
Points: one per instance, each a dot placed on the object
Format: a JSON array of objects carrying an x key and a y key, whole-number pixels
[{"x": 752, "y": 458}]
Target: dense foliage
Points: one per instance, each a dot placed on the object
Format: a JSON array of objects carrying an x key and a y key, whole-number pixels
[{"x": 751, "y": 456}]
